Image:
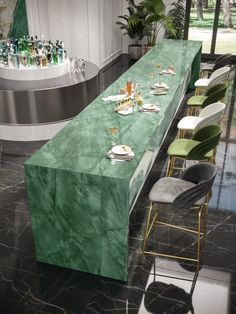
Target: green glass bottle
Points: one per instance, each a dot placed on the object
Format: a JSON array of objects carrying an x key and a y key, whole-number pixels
[{"x": 55, "y": 56}]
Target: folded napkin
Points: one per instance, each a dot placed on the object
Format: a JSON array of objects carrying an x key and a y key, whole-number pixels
[
  {"x": 115, "y": 97},
  {"x": 110, "y": 155}
]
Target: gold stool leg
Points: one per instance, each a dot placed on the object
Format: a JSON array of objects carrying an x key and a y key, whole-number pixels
[
  {"x": 212, "y": 160},
  {"x": 170, "y": 166},
  {"x": 199, "y": 240},
  {"x": 181, "y": 133},
  {"x": 188, "y": 113},
  {"x": 147, "y": 230},
  {"x": 192, "y": 111},
  {"x": 197, "y": 91}
]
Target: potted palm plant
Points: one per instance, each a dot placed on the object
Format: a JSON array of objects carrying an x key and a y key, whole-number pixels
[
  {"x": 155, "y": 20},
  {"x": 134, "y": 26}
]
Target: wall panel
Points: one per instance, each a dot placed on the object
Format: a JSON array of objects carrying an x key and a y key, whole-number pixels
[
  {"x": 111, "y": 35},
  {"x": 87, "y": 27}
]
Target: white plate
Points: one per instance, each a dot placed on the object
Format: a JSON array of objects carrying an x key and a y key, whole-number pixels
[
  {"x": 149, "y": 107},
  {"x": 121, "y": 150},
  {"x": 167, "y": 72},
  {"x": 156, "y": 92}
]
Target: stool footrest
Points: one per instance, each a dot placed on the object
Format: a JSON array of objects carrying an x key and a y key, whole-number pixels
[
  {"x": 171, "y": 256},
  {"x": 177, "y": 227}
]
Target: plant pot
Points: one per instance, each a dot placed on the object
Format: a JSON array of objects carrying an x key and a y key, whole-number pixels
[
  {"x": 146, "y": 48},
  {"x": 135, "y": 51}
]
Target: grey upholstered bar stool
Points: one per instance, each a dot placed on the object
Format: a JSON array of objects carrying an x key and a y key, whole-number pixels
[{"x": 191, "y": 191}]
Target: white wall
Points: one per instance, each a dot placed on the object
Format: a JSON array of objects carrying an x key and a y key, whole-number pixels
[{"x": 87, "y": 27}]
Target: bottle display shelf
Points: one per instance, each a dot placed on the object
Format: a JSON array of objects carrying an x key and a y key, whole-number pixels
[
  {"x": 34, "y": 73},
  {"x": 29, "y": 58}
]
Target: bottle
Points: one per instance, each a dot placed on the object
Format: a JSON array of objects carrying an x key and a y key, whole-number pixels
[
  {"x": 138, "y": 99},
  {"x": 36, "y": 41},
  {"x": 12, "y": 58},
  {"x": 20, "y": 45},
  {"x": 38, "y": 60},
  {"x": 65, "y": 55},
  {"x": 44, "y": 61},
  {"x": 24, "y": 59},
  {"x": 16, "y": 45},
  {"x": 1, "y": 56},
  {"x": 49, "y": 58},
  {"x": 5, "y": 59},
  {"x": 60, "y": 55},
  {"x": 55, "y": 56},
  {"x": 129, "y": 87},
  {"x": 29, "y": 59}
]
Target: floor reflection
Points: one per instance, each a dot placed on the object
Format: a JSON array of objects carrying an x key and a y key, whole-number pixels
[{"x": 171, "y": 289}]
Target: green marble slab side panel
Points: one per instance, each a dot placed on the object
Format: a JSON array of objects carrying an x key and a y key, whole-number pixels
[
  {"x": 195, "y": 69},
  {"x": 77, "y": 224}
]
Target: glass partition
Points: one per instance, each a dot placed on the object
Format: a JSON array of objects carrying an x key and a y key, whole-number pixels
[{"x": 214, "y": 23}]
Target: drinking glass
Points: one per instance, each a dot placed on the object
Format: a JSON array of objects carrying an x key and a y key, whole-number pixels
[
  {"x": 158, "y": 67},
  {"x": 113, "y": 132}
]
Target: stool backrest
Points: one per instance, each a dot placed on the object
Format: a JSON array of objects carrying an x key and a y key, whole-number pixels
[
  {"x": 218, "y": 76},
  {"x": 223, "y": 61},
  {"x": 215, "y": 88},
  {"x": 217, "y": 95},
  {"x": 208, "y": 138},
  {"x": 203, "y": 175},
  {"x": 212, "y": 109},
  {"x": 222, "y": 57},
  {"x": 211, "y": 114}
]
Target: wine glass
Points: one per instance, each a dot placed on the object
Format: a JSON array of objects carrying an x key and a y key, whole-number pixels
[
  {"x": 113, "y": 131},
  {"x": 158, "y": 67},
  {"x": 152, "y": 79}
]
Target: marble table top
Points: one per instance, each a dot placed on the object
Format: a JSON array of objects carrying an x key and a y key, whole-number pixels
[{"x": 81, "y": 146}]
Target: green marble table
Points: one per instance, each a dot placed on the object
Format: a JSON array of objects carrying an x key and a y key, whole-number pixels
[{"x": 79, "y": 200}]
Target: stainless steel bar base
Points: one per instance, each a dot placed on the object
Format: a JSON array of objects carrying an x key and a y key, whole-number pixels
[{"x": 37, "y": 104}]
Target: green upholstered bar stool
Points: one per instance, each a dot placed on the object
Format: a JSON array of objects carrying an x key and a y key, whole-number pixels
[
  {"x": 211, "y": 114},
  {"x": 213, "y": 94},
  {"x": 190, "y": 192},
  {"x": 201, "y": 147}
]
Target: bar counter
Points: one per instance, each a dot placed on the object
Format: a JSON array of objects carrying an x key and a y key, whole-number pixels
[{"x": 80, "y": 201}]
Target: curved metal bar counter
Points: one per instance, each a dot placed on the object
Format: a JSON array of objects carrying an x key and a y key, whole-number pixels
[{"x": 40, "y": 102}]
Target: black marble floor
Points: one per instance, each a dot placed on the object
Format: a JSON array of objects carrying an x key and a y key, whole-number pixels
[{"x": 27, "y": 286}]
